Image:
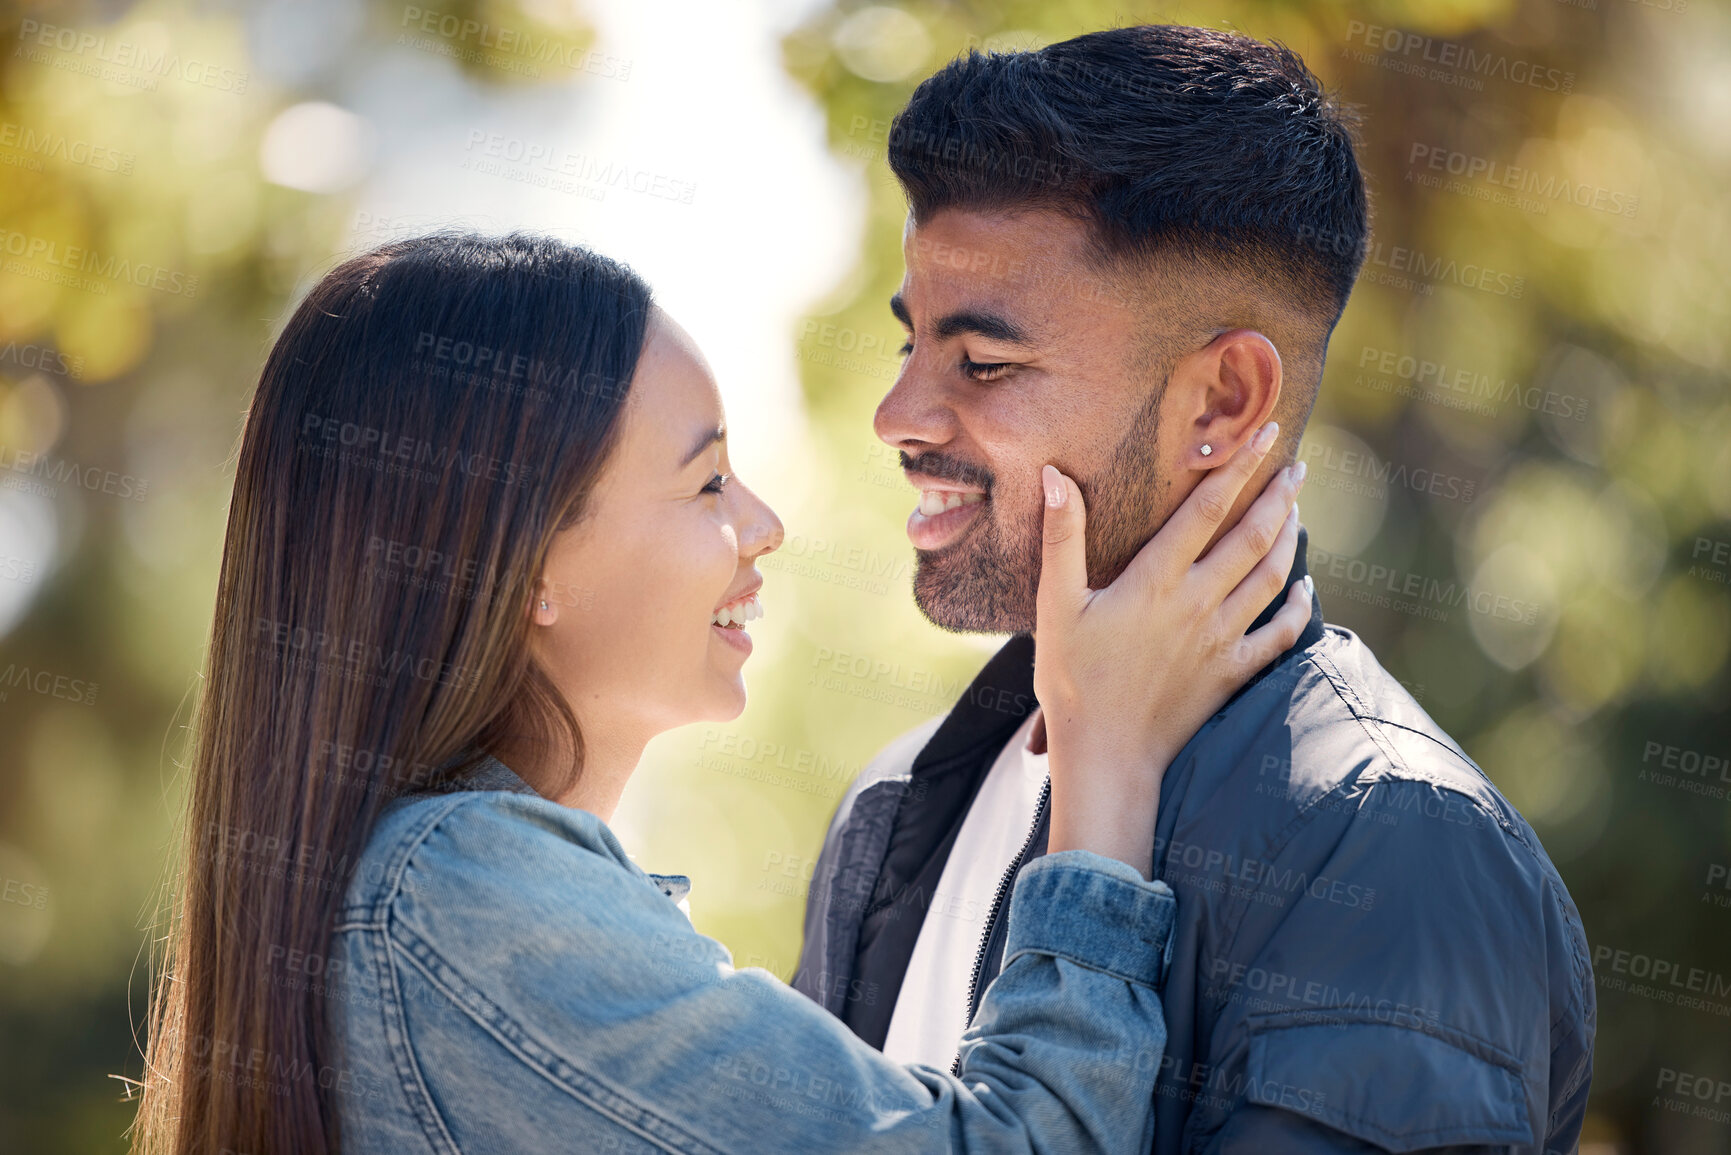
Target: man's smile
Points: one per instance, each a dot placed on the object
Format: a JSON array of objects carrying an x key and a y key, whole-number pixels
[{"x": 945, "y": 510}]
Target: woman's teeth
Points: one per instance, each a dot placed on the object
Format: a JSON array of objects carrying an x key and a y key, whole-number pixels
[
  {"x": 733, "y": 614},
  {"x": 936, "y": 501}
]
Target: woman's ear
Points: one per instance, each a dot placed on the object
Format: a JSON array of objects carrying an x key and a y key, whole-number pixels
[
  {"x": 543, "y": 611},
  {"x": 1234, "y": 383}
]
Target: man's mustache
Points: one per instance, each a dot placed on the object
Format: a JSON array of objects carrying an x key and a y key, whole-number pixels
[{"x": 945, "y": 468}]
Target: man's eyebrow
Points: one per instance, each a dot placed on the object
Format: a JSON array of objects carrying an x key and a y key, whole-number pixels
[
  {"x": 710, "y": 437},
  {"x": 989, "y": 325}
]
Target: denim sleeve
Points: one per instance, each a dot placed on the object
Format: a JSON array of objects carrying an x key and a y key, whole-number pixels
[{"x": 551, "y": 998}]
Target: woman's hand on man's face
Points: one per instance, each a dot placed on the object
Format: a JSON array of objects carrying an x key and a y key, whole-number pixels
[{"x": 1127, "y": 674}]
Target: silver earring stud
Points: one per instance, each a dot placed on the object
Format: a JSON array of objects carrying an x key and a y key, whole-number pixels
[
  {"x": 543, "y": 605},
  {"x": 1207, "y": 449}
]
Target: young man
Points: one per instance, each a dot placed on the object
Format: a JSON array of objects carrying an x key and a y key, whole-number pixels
[{"x": 1125, "y": 252}]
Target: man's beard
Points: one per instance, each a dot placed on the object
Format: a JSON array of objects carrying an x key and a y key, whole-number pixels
[{"x": 987, "y": 581}]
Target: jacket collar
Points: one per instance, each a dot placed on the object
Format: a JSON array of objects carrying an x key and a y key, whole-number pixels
[{"x": 483, "y": 772}]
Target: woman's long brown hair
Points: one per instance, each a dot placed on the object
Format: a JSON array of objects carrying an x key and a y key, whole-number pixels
[{"x": 433, "y": 413}]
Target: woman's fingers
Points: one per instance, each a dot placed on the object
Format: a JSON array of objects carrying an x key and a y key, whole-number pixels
[
  {"x": 1262, "y": 577},
  {"x": 1063, "y": 587},
  {"x": 1186, "y": 533},
  {"x": 1260, "y": 647},
  {"x": 1246, "y": 544}
]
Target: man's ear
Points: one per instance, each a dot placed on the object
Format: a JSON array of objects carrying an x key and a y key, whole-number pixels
[{"x": 1229, "y": 389}]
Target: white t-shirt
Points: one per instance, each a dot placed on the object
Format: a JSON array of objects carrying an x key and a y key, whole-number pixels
[{"x": 932, "y": 1008}]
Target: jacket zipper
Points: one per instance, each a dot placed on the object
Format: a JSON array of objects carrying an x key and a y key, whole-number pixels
[{"x": 1003, "y": 892}]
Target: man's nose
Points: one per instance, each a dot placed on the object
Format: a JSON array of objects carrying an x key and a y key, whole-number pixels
[{"x": 916, "y": 410}]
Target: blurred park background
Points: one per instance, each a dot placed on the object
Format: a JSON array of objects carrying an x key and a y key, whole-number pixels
[{"x": 1520, "y": 487}]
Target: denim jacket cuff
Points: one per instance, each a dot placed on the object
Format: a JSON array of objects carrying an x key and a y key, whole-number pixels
[{"x": 1096, "y": 912}]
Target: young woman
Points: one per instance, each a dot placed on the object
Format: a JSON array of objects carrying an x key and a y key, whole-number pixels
[{"x": 483, "y": 546}]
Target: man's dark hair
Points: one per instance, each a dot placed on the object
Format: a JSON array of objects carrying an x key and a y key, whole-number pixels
[{"x": 1163, "y": 138}]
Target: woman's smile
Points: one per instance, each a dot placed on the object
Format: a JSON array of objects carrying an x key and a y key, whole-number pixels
[{"x": 730, "y": 620}]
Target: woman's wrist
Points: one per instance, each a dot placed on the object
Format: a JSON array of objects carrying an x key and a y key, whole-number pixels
[{"x": 1112, "y": 816}]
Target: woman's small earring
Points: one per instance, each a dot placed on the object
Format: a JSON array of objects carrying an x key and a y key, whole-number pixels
[
  {"x": 1207, "y": 449},
  {"x": 543, "y": 605}
]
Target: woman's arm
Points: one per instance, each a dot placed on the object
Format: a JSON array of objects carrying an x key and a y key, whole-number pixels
[
  {"x": 551, "y": 998},
  {"x": 1127, "y": 674}
]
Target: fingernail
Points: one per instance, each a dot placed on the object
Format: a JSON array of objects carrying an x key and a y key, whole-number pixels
[
  {"x": 1298, "y": 472},
  {"x": 1056, "y": 490},
  {"x": 1310, "y": 586},
  {"x": 1265, "y": 437},
  {"x": 1292, "y": 514}
]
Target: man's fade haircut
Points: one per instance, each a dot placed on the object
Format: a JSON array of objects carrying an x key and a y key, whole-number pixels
[{"x": 1164, "y": 139}]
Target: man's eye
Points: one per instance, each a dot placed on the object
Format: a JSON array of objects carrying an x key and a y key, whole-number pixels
[
  {"x": 907, "y": 347},
  {"x": 717, "y": 483},
  {"x": 982, "y": 371}
]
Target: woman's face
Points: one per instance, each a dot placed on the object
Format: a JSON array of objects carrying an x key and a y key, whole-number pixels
[{"x": 636, "y": 589}]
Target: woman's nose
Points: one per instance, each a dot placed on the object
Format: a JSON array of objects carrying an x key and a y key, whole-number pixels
[{"x": 760, "y": 531}]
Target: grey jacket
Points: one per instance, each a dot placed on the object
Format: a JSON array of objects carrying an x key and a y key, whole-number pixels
[{"x": 1372, "y": 952}]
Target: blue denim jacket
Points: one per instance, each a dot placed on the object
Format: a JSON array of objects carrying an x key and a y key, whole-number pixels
[{"x": 504, "y": 978}]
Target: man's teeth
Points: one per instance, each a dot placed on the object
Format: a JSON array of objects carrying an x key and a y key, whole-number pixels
[
  {"x": 936, "y": 501},
  {"x": 737, "y": 613}
]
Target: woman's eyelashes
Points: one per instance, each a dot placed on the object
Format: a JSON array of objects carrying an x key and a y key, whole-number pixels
[
  {"x": 717, "y": 483},
  {"x": 973, "y": 370}
]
